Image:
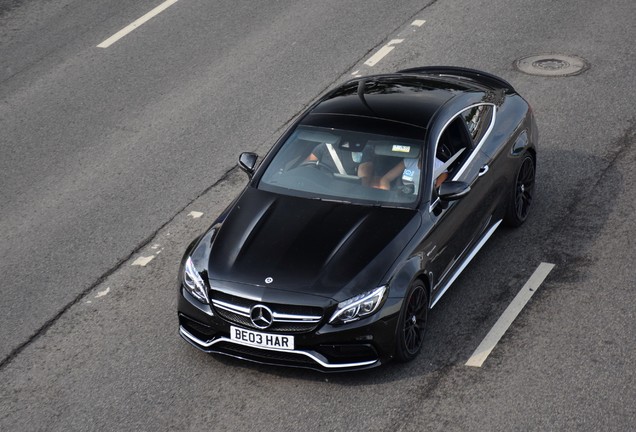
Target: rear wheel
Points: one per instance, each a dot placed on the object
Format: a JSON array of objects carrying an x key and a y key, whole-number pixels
[
  {"x": 523, "y": 193},
  {"x": 412, "y": 323}
]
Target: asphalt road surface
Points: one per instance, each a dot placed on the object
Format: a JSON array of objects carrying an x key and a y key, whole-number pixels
[{"x": 105, "y": 152}]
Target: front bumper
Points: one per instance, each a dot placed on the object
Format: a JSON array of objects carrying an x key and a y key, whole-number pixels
[{"x": 360, "y": 345}]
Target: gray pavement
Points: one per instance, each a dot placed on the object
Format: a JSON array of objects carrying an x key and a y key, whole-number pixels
[
  {"x": 140, "y": 136},
  {"x": 101, "y": 147}
]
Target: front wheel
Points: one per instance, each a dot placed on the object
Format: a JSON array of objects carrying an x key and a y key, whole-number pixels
[
  {"x": 412, "y": 322},
  {"x": 518, "y": 205}
]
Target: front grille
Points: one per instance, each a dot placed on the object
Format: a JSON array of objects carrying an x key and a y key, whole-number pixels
[{"x": 286, "y": 318}]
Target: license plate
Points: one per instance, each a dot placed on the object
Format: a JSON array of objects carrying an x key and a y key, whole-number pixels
[{"x": 263, "y": 340}]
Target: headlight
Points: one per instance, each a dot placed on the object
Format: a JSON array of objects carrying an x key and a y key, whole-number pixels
[
  {"x": 358, "y": 307},
  {"x": 194, "y": 283}
]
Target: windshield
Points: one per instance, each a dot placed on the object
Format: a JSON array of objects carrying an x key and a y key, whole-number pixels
[{"x": 346, "y": 166}]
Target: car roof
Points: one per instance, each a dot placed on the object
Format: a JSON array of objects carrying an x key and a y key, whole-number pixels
[{"x": 393, "y": 104}]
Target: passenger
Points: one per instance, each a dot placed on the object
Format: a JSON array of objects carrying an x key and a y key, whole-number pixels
[{"x": 410, "y": 169}]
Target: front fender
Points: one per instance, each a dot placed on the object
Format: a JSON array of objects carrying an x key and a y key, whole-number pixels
[{"x": 410, "y": 270}]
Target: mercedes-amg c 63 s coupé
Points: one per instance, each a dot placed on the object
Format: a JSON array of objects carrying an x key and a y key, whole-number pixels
[{"x": 359, "y": 219}]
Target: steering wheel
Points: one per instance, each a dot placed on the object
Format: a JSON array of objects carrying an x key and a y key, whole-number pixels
[{"x": 318, "y": 165}]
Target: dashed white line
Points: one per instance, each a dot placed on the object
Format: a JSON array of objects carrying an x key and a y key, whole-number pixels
[
  {"x": 382, "y": 52},
  {"x": 418, "y": 23},
  {"x": 195, "y": 214},
  {"x": 102, "y": 293},
  {"x": 123, "y": 32},
  {"x": 143, "y": 261},
  {"x": 505, "y": 320}
]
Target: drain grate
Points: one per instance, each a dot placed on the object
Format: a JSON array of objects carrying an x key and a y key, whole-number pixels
[{"x": 552, "y": 65}]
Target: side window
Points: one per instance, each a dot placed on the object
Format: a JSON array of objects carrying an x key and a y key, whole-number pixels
[
  {"x": 477, "y": 120},
  {"x": 457, "y": 143},
  {"x": 453, "y": 140}
]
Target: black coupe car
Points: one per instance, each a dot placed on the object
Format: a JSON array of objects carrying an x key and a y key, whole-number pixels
[{"x": 359, "y": 219}]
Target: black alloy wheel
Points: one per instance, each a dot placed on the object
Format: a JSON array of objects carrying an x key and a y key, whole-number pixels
[
  {"x": 523, "y": 193},
  {"x": 412, "y": 323}
]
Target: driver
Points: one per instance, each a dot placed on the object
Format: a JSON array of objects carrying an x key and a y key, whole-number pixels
[{"x": 348, "y": 159}]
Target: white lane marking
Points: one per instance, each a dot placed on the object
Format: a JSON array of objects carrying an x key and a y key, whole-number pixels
[
  {"x": 155, "y": 247},
  {"x": 123, "y": 32},
  {"x": 382, "y": 52},
  {"x": 102, "y": 293},
  {"x": 418, "y": 23},
  {"x": 143, "y": 261},
  {"x": 505, "y": 320},
  {"x": 195, "y": 214},
  {"x": 355, "y": 73}
]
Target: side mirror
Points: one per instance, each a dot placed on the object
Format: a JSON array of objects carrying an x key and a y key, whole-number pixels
[
  {"x": 452, "y": 190},
  {"x": 247, "y": 162}
]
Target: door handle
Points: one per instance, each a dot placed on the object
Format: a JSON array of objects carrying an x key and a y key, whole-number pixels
[{"x": 483, "y": 170}]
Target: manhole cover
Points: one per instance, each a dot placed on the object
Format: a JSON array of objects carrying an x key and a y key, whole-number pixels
[{"x": 552, "y": 65}]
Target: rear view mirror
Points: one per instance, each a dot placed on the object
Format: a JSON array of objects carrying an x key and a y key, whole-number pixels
[{"x": 247, "y": 162}]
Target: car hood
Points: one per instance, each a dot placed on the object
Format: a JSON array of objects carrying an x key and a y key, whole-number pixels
[{"x": 308, "y": 246}]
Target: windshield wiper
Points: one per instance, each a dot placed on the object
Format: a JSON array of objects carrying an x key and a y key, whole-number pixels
[{"x": 333, "y": 200}]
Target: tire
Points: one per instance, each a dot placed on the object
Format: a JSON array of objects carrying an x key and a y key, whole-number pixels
[
  {"x": 412, "y": 323},
  {"x": 522, "y": 193}
]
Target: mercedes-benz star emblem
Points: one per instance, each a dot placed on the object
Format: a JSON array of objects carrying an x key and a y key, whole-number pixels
[
  {"x": 269, "y": 280},
  {"x": 261, "y": 316}
]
